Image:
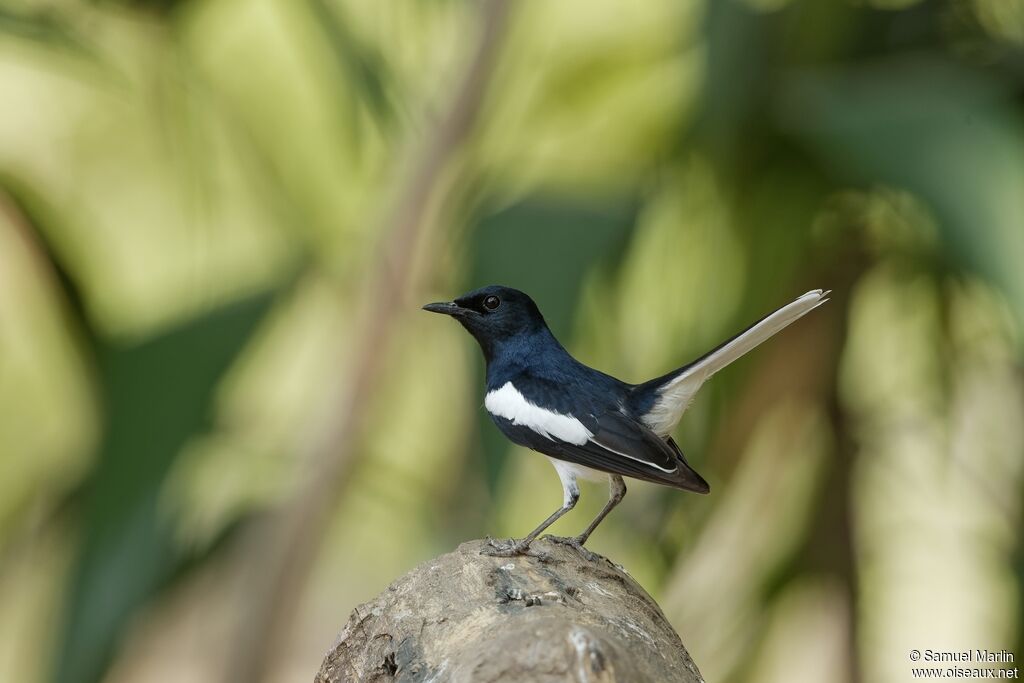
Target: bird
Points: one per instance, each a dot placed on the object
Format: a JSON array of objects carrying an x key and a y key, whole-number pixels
[{"x": 589, "y": 424}]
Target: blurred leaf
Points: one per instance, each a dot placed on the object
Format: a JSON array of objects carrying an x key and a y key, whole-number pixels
[
  {"x": 164, "y": 7},
  {"x": 737, "y": 58},
  {"x": 42, "y": 26},
  {"x": 941, "y": 131},
  {"x": 157, "y": 396},
  {"x": 545, "y": 247},
  {"x": 42, "y": 218},
  {"x": 359, "y": 63}
]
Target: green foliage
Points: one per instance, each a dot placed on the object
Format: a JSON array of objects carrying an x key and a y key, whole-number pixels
[
  {"x": 948, "y": 134},
  {"x": 156, "y": 395},
  {"x": 45, "y": 27}
]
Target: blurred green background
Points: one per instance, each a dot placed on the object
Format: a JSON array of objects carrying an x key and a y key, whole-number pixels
[{"x": 225, "y": 422}]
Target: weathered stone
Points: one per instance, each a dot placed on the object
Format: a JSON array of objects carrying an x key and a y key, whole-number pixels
[{"x": 556, "y": 615}]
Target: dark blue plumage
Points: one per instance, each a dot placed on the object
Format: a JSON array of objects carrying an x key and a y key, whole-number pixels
[{"x": 541, "y": 397}]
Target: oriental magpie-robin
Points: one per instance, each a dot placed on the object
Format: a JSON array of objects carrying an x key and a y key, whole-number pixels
[{"x": 585, "y": 421}]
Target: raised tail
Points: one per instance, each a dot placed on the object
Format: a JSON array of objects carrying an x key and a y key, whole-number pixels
[{"x": 662, "y": 401}]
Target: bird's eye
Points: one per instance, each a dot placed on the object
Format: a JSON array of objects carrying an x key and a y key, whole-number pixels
[{"x": 492, "y": 302}]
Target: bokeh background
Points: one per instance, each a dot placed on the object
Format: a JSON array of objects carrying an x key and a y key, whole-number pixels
[{"x": 225, "y": 422}]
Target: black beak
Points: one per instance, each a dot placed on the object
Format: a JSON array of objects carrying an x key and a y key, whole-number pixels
[{"x": 447, "y": 308}]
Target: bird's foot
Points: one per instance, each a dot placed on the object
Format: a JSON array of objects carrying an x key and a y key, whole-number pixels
[
  {"x": 509, "y": 548},
  {"x": 576, "y": 543}
]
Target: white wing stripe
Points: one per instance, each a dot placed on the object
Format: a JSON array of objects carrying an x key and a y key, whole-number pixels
[{"x": 509, "y": 403}]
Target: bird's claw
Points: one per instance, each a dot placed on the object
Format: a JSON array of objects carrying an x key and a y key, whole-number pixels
[
  {"x": 509, "y": 548},
  {"x": 576, "y": 543},
  {"x": 512, "y": 548}
]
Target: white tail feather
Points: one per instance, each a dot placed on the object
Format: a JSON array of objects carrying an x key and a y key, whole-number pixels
[{"x": 677, "y": 394}]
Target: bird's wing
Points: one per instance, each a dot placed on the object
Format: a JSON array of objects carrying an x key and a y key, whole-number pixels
[
  {"x": 597, "y": 435},
  {"x": 622, "y": 445},
  {"x": 668, "y": 396}
]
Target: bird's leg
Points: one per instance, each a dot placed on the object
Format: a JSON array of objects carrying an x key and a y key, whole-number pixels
[
  {"x": 616, "y": 492},
  {"x": 570, "y": 496},
  {"x": 514, "y": 547}
]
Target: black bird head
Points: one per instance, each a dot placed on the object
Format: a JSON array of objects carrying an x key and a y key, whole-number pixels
[{"x": 494, "y": 314}]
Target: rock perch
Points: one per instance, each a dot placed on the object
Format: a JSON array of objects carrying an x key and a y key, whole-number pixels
[{"x": 555, "y": 615}]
